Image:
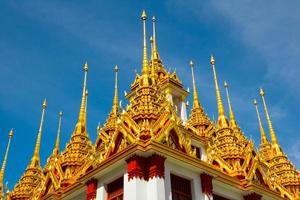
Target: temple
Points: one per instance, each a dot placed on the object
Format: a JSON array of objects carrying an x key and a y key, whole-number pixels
[{"x": 157, "y": 148}]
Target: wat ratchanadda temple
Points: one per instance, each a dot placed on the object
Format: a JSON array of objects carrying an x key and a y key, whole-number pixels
[{"x": 154, "y": 149}]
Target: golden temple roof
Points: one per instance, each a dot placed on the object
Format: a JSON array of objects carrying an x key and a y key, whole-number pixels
[{"x": 156, "y": 115}]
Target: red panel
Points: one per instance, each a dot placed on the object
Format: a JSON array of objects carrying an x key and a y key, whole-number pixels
[
  {"x": 206, "y": 183},
  {"x": 91, "y": 189}
]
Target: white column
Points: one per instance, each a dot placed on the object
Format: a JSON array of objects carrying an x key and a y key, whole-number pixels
[
  {"x": 183, "y": 114},
  {"x": 156, "y": 189},
  {"x": 168, "y": 191},
  {"x": 101, "y": 192},
  {"x": 135, "y": 189}
]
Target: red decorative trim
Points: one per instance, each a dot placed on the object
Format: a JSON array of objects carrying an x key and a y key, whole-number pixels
[
  {"x": 156, "y": 166},
  {"x": 136, "y": 167},
  {"x": 146, "y": 168},
  {"x": 91, "y": 189},
  {"x": 252, "y": 196},
  {"x": 206, "y": 183}
]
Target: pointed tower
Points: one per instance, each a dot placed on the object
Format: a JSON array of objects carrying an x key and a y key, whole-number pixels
[
  {"x": 280, "y": 168},
  {"x": 231, "y": 115},
  {"x": 265, "y": 147},
  {"x": 225, "y": 141},
  {"x": 272, "y": 132},
  {"x": 198, "y": 117},
  {"x": 222, "y": 119},
  {"x": 110, "y": 124},
  {"x": 10, "y": 135},
  {"x": 56, "y": 151},
  {"x": 79, "y": 149},
  {"x": 264, "y": 140},
  {"x": 28, "y": 183}
]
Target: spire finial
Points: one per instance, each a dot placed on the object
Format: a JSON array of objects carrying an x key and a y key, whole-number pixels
[
  {"x": 145, "y": 57},
  {"x": 195, "y": 94},
  {"x": 57, "y": 143},
  {"x": 264, "y": 139},
  {"x": 115, "y": 104},
  {"x": 231, "y": 115},
  {"x": 155, "y": 54},
  {"x": 35, "y": 161},
  {"x": 272, "y": 132},
  {"x": 222, "y": 120},
  {"x": 10, "y": 135},
  {"x": 82, "y": 112}
]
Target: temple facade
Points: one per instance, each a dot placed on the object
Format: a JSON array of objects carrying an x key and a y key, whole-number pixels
[{"x": 153, "y": 149}]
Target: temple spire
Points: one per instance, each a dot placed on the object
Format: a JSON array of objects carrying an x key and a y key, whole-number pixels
[
  {"x": 115, "y": 104},
  {"x": 155, "y": 55},
  {"x": 222, "y": 120},
  {"x": 195, "y": 94},
  {"x": 10, "y": 135},
  {"x": 35, "y": 161},
  {"x": 57, "y": 143},
  {"x": 231, "y": 115},
  {"x": 145, "y": 57},
  {"x": 264, "y": 139},
  {"x": 82, "y": 112},
  {"x": 86, "y": 99},
  {"x": 272, "y": 132}
]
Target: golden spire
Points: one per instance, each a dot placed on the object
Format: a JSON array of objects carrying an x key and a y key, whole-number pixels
[
  {"x": 222, "y": 120},
  {"x": 82, "y": 112},
  {"x": 145, "y": 57},
  {"x": 10, "y": 135},
  {"x": 272, "y": 132},
  {"x": 155, "y": 55},
  {"x": 151, "y": 43},
  {"x": 231, "y": 115},
  {"x": 264, "y": 139},
  {"x": 86, "y": 99},
  {"x": 115, "y": 105},
  {"x": 35, "y": 161},
  {"x": 195, "y": 94},
  {"x": 56, "y": 149}
]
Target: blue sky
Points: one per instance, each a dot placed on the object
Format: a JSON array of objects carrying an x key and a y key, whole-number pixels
[{"x": 44, "y": 44}]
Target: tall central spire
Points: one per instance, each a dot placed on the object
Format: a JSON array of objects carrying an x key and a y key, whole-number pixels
[
  {"x": 57, "y": 143},
  {"x": 155, "y": 55},
  {"x": 35, "y": 161},
  {"x": 272, "y": 132},
  {"x": 145, "y": 57},
  {"x": 222, "y": 120},
  {"x": 264, "y": 139},
  {"x": 195, "y": 94},
  {"x": 231, "y": 115},
  {"x": 10, "y": 135},
  {"x": 115, "y": 105},
  {"x": 82, "y": 112}
]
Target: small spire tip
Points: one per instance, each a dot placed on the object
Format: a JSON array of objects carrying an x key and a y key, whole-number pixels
[
  {"x": 144, "y": 16},
  {"x": 212, "y": 60}
]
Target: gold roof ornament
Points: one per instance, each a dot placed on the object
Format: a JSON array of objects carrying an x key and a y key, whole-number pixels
[
  {"x": 198, "y": 118},
  {"x": 80, "y": 147},
  {"x": 57, "y": 142},
  {"x": 264, "y": 139},
  {"x": 272, "y": 132},
  {"x": 155, "y": 54},
  {"x": 33, "y": 175},
  {"x": 145, "y": 56},
  {"x": 10, "y": 135},
  {"x": 231, "y": 115},
  {"x": 115, "y": 108},
  {"x": 222, "y": 119},
  {"x": 195, "y": 94}
]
